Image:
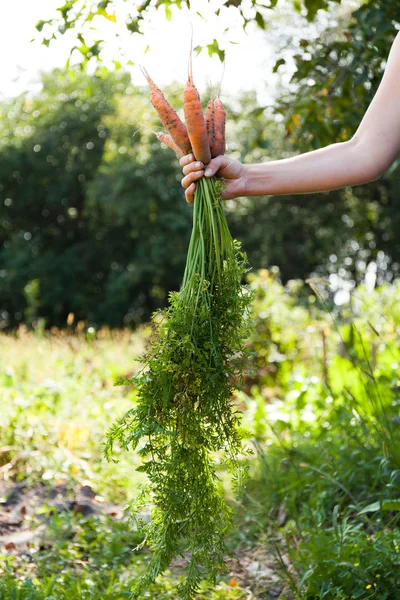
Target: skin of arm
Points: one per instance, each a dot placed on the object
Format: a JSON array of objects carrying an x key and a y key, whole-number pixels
[{"x": 364, "y": 158}]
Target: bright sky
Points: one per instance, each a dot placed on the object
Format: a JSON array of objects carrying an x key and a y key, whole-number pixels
[{"x": 249, "y": 61}]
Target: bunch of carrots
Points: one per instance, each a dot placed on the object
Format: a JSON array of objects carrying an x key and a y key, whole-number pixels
[
  {"x": 184, "y": 425},
  {"x": 203, "y": 136}
]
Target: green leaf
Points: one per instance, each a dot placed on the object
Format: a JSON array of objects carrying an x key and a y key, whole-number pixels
[
  {"x": 381, "y": 505},
  {"x": 133, "y": 26},
  {"x": 106, "y": 15},
  {"x": 65, "y": 9},
  {"x": 313, "y": 6},
  {"x": 391, "y": 505},
  {"x": 40, "y": 24},
  {"x": 278, "y": 64},
  {"x": 168, "y": 13},
  {"x": 103, "y": 72},
  {"x": 215, "y": 49},
  {"x": 260, "y": 20},
  {"x": 257, "y": 111},
  {"x": 335, "y": 516}
]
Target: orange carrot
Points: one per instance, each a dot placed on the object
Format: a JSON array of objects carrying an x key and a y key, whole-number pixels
[
  {"x": 218, "y": 146},
  {"x": 165, "y": 138},
  {"x": 210, "y": 123},
  {"x": 168, "y": 116},
  {"x": 195, "y": 122}
]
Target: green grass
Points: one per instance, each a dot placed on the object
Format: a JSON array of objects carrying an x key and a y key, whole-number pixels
[
  {"x": 88, "y": 558},
  {"x": 58, "y": 401},
  {"x": 326, "y": 485},
  {"x": 321, "y": 413}
]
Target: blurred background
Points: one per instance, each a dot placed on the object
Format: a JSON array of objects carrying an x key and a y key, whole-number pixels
[
  {"x": 94, "y": 231},
  {"x": 93, "y": 223}
]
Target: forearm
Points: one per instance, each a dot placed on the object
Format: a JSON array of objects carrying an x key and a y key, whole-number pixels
[{"x": 333, "y": 167}]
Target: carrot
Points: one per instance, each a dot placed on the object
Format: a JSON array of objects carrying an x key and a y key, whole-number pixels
[
  {"x": 168, "y": 116},
  {"x": 195, "y": 122},
  {"x": 218, "y": 146},
  {"x": 166, "y": 139},
  {"x": 210, "y": 123},
  {"x": 184, "y": 413}
]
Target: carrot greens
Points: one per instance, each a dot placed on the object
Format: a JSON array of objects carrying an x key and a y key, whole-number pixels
[{"x": 184, "y": 425}]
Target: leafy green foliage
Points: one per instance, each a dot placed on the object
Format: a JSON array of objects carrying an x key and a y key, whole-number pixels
[
  {"x": 324, "y": 233},
  {"x": 324, "y": 486},
  {"x": 76, "y": 14},
  {"x": 103, "y": 232},
  {"x": 43, "y": 378},
  {"x": 56, "y": 151},
  {"x": 84, "y": 208},
  {"x": 327, "y": 439},
  {"x": 88, "y": 558},
  {"x": 342, "y": 571},
  {"x": 337, "y": 75},
  {"x": 335, "y": 79},
  {"x": 184, "y": 413}
]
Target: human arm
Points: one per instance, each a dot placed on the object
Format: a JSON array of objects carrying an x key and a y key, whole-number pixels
[{"x": 363, "y": 158}]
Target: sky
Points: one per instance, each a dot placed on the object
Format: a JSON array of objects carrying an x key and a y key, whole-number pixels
[
  {"x": 249, "y": 59},
  {"x": 164, "y": 47}
]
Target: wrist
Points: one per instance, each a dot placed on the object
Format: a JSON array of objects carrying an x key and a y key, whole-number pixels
[{"x": 256, "y": 179}]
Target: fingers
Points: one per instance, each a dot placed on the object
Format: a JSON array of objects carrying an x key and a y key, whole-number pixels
[
  {"x": 225, "y": 167},
  {"x": 193, "y": 166},
  {"x": 214, "y": 165},
  {"x": 187, "y": 159},
  {"x": 191, "y": 178},
  {"x": 189, "y": 193}
]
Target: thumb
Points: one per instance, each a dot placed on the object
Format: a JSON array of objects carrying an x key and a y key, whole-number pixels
[{"x": 214, "y": 165}]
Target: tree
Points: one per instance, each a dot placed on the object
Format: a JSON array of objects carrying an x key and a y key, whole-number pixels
[
  {"x": 335, "y": 79},
  {"x": 337, "y": 75},
  {"x": 57, "y": 147},
  {"x": 92, "y": 215},
  {"x": 90, "y": 208},
  {"x": 77, "y": 14}
]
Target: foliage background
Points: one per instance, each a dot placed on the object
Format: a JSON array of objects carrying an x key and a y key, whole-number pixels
[
  {"x": 92, "y": 218},
  {"x": 319, "y": 516},
  {"x": 93, "y": 231}
]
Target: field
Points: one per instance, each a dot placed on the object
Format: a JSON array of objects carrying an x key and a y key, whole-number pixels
[{"x": 319, "y": 515}]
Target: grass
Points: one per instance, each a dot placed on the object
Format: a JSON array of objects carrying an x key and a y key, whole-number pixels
[
  {"x": 319, "y": 517},
  {"x": 58, "y": 400}
]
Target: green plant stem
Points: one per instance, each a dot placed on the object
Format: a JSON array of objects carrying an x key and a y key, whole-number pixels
[{"x": 184, "y": 414}]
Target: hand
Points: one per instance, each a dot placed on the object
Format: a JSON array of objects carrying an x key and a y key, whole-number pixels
[{"x": 232, "y": 171}]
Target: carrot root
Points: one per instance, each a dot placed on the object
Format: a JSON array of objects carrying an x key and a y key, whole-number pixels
[
  {"x": 195, "y": 122},
  {"x": 218, "y": 147},
  {"x": 166, "y": 139},
  {"x": 168, "y": 116}
]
